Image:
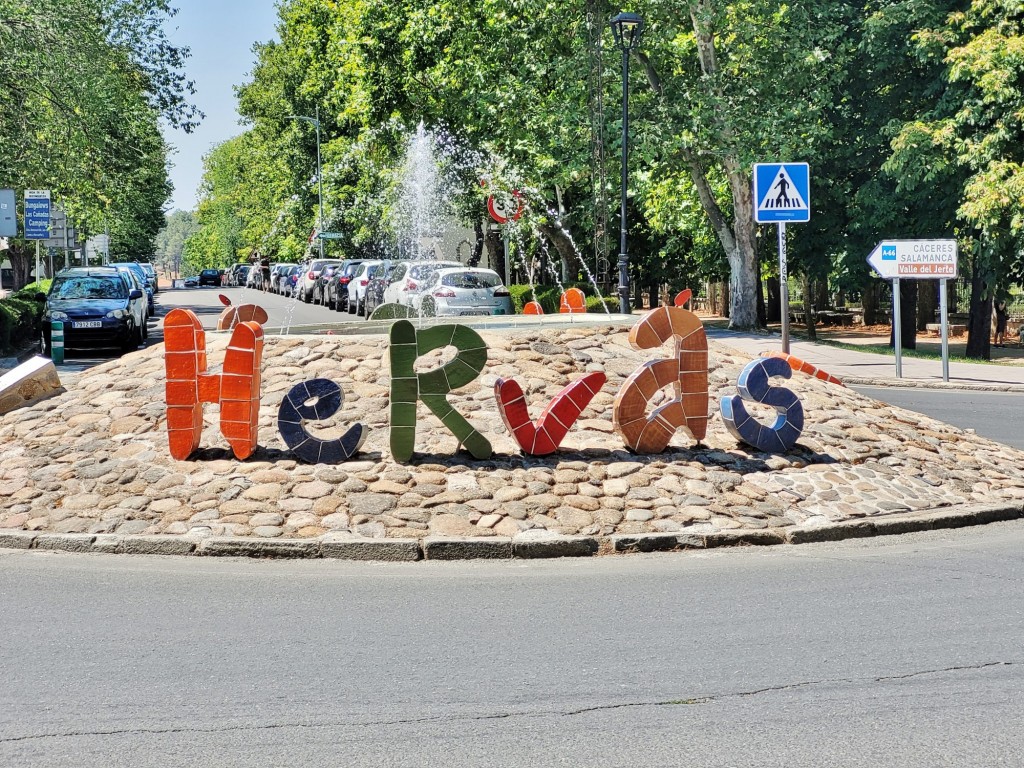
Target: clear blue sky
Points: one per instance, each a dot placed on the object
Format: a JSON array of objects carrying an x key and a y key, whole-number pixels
[{"x": 221, "y": 34}]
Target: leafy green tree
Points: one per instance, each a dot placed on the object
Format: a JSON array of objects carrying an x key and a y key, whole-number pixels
[{"x": 170, "y": 241}]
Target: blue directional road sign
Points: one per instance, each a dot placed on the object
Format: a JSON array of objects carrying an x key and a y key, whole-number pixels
[
  {"x": 782, "y": 193},
  {"x": 37, "y": 214}
]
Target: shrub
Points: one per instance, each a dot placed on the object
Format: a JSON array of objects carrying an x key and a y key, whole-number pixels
[{"x": 20, "y": 320}]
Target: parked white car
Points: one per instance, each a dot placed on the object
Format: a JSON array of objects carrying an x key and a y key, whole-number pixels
[
  {"x": 409, "y": 278},
  {"x": 463, "y": 291},
  {"x": 357, "y": 285}
]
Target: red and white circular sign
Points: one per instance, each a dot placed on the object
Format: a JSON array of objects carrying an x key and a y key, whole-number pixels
[{"x": 505, "y": 207}]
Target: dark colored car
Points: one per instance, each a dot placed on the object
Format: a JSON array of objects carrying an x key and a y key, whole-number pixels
[
  {"x": 289, "y": 280},
  {"x": 209, "y": 277},
  {"x": 151, "y": 277},
  {"x": 97, "y": 307},
  {"x": 381, "y": 279},
  {"x": 337, "y": 287},
  {"x": 320, "y": 283}
]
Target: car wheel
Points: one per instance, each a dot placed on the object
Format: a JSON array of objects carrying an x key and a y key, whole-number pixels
[
  {"x": 145, "y": 331},
  {"x": 45, "y": 345},
  {"x": 428, "y": 307},
  {"x": 353, "y": 307},
  {"x": 133, "y": 341}
]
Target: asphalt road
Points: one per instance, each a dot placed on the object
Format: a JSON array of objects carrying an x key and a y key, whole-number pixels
[
  {"x": 995, "y": 415},
  {"x": 903, "y": 651}
]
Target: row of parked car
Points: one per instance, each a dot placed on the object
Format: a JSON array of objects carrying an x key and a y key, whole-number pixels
[
  {"x": 108, "y": 306},
  {"x": 359, "y": 286}
]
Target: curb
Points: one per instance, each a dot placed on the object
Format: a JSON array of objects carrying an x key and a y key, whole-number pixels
[
  {"x": 864, "y": 381},
  {"x": 529, "y": 545}
]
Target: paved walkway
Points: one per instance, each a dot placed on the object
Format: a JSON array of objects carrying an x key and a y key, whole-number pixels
[{"x": 870, "y": 368}]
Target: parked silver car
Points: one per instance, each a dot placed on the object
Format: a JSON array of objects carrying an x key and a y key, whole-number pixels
[{"x": 463, "y": 291}]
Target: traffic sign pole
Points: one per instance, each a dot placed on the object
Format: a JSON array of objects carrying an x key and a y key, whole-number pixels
[
  {"x": 897, "y": 331},
  {"x": 944, "y": 319},
  {"x": 782, "y": 193},
  {"x": 783, "y": 287}
]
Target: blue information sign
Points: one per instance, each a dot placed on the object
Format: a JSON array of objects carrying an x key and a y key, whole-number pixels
[
  {"x": 37, "y": 214},
  {"x": 782, "y": 193}
]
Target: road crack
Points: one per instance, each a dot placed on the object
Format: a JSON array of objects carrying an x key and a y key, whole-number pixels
[{"x": 695, "y": 700}]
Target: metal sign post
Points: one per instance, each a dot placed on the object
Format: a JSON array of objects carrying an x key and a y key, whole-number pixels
[
  {"x": 944, "y": 319},
  {"x": 897, "y": 327},
  {"x": 921, "y": 260},
  {"x": 783, "y": 288},
  {"x": 782, "y": 193}
]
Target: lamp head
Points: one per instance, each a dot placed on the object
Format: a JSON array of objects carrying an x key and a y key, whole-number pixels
[{"x": 627, "y": 29}]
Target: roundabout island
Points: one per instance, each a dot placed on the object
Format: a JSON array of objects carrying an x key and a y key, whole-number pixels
[{"x": 90, "y": 469}]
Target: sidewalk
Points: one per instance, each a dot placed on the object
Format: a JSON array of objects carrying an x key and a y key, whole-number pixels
[{"x": 868, "y": 368}]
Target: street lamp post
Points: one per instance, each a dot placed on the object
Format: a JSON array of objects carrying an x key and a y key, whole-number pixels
[
  {"x": 627, "y": 29},
  {"x": 319, "y": 174}
]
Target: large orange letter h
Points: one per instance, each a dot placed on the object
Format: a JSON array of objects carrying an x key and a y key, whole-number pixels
[{"x": 236, "y": 389}]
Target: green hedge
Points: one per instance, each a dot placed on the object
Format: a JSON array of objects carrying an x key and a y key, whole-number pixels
[
  {"x": 548, "y": 297},
  {"x": 21, "y": 317}
]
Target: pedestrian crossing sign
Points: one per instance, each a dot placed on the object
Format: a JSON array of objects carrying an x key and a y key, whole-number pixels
[{"x": 782, "y": 193}]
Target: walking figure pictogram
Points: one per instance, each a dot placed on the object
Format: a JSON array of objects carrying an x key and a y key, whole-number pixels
[{"x": 782, "y": 200}]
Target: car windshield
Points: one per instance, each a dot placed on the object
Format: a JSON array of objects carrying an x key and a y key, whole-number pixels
[
  {"x": 209, "y": 272},
  {"x": 472, "y": 280},
  {"x": 89, "y": 287}
]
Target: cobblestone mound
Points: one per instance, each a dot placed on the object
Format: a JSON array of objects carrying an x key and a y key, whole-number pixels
[{"x": 95, "y": 459}]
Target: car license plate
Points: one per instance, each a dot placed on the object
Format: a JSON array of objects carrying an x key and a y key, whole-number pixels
[{"x": 87, "y": 324}]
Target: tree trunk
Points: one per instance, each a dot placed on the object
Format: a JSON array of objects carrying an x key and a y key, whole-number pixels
[
  {"x": 478, "y": 246},
  {"x": 979, "y": 323},
  {"x": 869, "y": 302},
  {"x": 927, "y": 302},
  {"x": 495, "y": 251},
  {"x": 559, "y": 238},
  {"x": 806, "y": 286},
  {"x": 773, "y": 307},
  {"x": 21, "y": 259},
  {"x": 821, "y": 297},
  {"x": 762, "y": 312},
  {"x": 908, "y": 316}
]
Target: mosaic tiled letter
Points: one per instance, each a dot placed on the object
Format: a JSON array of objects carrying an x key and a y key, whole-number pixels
[
  {"x": 687, "y": 374},
  {"x": 533, "y": 308},
  {"x": 753, "y": 386},
  {"x": 236, "y": 388},
  {"x": 799, "y": 365},
  {"x": 543, "y": 436},
  {"x": 232, "y": 316},
  {"x": 325, "y": 398},
  {"x": 432, "y": 387}
]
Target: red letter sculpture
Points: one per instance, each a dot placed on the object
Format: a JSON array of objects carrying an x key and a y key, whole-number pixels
[
  {"x": 543, "y": 436},
  {"x": 237, "y": 388}
]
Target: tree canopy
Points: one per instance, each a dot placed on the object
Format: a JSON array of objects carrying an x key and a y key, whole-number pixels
[
  {"x": 84, "y": 85},
  {"x": 908, "y": 112}
]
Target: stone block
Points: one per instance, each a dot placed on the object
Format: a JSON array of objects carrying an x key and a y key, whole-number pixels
[
  {"x": 467, "y": 548},
  {"x": 851, "y": 529},
  {"x": 526, "y": 547},
  {"x": 65, "y": 542},
  {"x": 34, "y": 380},
  {"x": 17, "y": 539},
  {"x": 355, "y": 548},
  {"x": 644, "y": 542},
  {"x": 109, "y": 543},
  {"x": 241, "y": 546},
  {"x": 739, "y": 538},
  {"x": 157, "y": 545}
]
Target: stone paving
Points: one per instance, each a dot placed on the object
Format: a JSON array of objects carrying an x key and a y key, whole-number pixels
[{"x": 96, "y": 460}]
